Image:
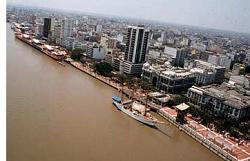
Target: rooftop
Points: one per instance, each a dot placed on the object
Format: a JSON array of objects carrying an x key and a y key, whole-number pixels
[{"x": 226, "y": 93}]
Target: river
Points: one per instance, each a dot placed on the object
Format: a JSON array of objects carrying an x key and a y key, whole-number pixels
[{"x": 57, "y": 113}]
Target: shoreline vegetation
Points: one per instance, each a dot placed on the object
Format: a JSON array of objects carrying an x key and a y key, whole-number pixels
[{"x": 223, "y": 145}]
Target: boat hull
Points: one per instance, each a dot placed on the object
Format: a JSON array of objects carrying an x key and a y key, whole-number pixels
[{"x": 137, "y": 117}]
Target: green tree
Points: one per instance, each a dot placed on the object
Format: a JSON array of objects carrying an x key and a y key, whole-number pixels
[
  {"x": 103, "y": 68},
  {"x": 247, "y": 69},
  {"x": 121, "y": 78},
  {"x": 178, "y": 99},
  {"x": 76, "y": 54}
]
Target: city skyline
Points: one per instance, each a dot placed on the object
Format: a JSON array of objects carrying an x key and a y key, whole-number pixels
[{"x": 225, "y": 15}]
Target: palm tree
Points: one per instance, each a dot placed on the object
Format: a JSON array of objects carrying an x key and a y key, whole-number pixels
[
  {"x": 146, "y": 87},
  {"x": 121, "y": 78}
]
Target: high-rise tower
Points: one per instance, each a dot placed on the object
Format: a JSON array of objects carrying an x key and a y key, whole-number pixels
[{"x": 136, "y": 49}]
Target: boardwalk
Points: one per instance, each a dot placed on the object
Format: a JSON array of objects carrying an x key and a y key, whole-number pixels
[{"x": 223, "y": 146}]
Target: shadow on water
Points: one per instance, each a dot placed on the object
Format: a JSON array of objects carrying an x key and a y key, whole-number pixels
[{"x": 161, "y": 129}]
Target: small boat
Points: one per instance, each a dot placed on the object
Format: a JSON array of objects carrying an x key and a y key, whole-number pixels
[
  {"x": 61, "y": 63},
  {"x": 117, "y": 99},
  {"x": 139, "y": 116}
]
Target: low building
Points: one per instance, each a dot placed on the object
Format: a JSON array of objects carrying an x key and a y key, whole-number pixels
[
  {"x": 222, "y": 60},
  {"x": 218, "y": 71},
  {"x": 114, "y": 58},
  {"x": 159, "y": 98},
  {"x": 221, "y": 99},
  {"x": 203, "y": 76},
  {"x": 241, "y": 80},
  {"x": 96, "y": 52},
  {"x": 168, "y": 78}
]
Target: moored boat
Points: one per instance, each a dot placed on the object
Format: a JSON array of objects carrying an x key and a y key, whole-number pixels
[
  {"x": 136, "y": 111},
  {"x": 61, "y": 63}
]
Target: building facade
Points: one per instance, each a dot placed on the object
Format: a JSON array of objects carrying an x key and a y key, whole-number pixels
[
  {"x": 67, "y": 27},
  {"x": 168, "y": 78},
  {"x": 222, "y": 60},
  {"x": 176, "y": 55},
  {"x": 96, "y": 52},
  {"x": 136, "y": 49},
  {"x": 218, "y": 71},
  {"x": 222, "y": 100},
  {"x": 46, "y": 27}
]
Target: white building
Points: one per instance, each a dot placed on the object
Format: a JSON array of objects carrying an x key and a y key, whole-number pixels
[
  {"x": 222, "y": 60},
  {"x": 98, "y": 28},
  {"x": 221, "y": 99},
  {"x": 176, "y": 55},
  {"x": 203, "y": 76},
  {"x": 39, "y": 30},
  {"x": 168, "y": 78},
  {"x": 218, "y": 71},
  {"x": 241, "y": 80},
  {"x": 96, "y": 52},
  {"x": 164, "y": 36},
  {"x": 199, "y": 46}
]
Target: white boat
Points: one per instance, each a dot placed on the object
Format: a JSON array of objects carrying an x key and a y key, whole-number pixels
[
  {"x": 61, "y": 63},
  {"x": 136, "y": 115}
]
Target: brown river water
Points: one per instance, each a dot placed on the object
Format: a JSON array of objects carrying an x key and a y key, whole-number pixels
[{"x": 57, "y": 113}]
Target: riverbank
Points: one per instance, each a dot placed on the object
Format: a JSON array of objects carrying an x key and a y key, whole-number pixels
[
  {"x": 48, "y": 50},
  {"x": 225, "y": 148},
  {"x": 235, "y": 153}
]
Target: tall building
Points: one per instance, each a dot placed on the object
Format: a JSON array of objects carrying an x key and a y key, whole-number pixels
[
  {"x": 96, "y": 52},
  {"x": 164, "y": 36},
  {"x": 176, "y": 55},
  {"x": 39, "y": 30},
  {"x": 57, "y": 33},
  {"x": 46, "y": 27},
  {"x": 136, "y": 49},
  {"x": 67, "y": 27},
  {"x": 98, "y": 28}
]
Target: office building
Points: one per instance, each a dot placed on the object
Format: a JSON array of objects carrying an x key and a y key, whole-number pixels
[
  {"x": 136, "y": 49},
  {"x": 98, "y": 28},
  {"x": 47, "y": 27},
  {"x": 68, "y": 42},
  {"x": 67, "y": 27},
  {"x": 222, "y": 60},
  {"x": 96, "y": 51},
  {"x": 57, "y": 34},
  {"x": 176, "y": 55}
]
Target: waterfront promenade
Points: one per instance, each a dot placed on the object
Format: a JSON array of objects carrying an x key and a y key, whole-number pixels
[{"x": 226, "y": 148}]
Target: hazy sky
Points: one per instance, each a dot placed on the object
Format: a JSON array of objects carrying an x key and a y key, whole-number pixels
[{"x": 221, "y": 14}]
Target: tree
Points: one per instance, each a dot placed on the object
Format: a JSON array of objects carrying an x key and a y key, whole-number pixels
[
  {"x": 121, "y": 78},
  {"x": 247, "y": 69},
  {"x": 178, "y": 99},
  {"x": 76, "y": 54},
  {"x": 103, "y": 68}
]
